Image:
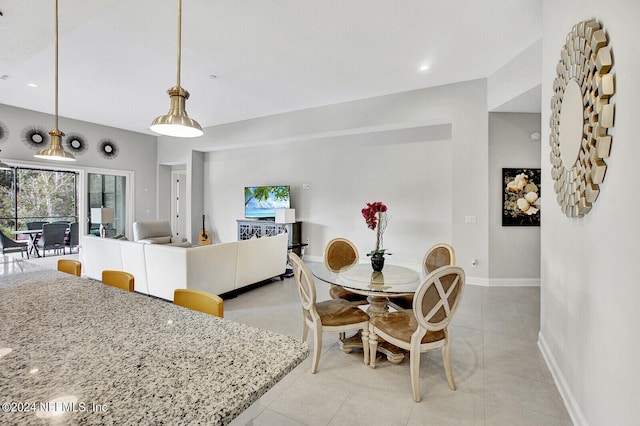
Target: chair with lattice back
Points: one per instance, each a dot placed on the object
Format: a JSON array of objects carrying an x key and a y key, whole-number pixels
[
  {"x": 426, "y": 326},
  {"x": 437, "y": 256},
  {"x": 333, "y": 315}
]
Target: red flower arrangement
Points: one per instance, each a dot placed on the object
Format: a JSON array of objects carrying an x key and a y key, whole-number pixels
[{"x": 375, "y": 214}]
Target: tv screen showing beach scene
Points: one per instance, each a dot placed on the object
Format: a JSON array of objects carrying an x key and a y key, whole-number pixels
[{"x": 262, "y": 201}]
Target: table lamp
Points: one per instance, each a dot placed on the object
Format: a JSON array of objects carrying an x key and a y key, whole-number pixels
[
  {"x": 285, "y": 216},
  {"x": 102, "y": 215}
]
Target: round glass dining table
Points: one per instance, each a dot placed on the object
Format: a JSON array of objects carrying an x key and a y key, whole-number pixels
[{"x": 393, "y": 280}]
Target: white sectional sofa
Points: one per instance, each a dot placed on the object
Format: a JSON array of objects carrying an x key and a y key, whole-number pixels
[{"x": 159, "y": 269}]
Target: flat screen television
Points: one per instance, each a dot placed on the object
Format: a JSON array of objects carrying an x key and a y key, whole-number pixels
[{"x": 261, "y": 202}]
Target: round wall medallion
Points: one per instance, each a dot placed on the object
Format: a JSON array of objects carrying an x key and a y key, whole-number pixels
[
  {"x": 4, "y": 132},
  {"x": 581, "y": 116},
  {"x": 35, "y": 137},
  {"x": 108, "y": 149},
  {"x": 75, "y": 143}
]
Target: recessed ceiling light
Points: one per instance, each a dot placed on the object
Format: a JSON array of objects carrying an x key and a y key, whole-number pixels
[
  {"x": 424, "y": 67},
  {"x": 213, "y": 76},
  {"x": 32, "y": 85}
]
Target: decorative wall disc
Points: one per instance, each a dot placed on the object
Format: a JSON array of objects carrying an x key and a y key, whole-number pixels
[
  {"x": 4, "y": 132},
  {"x": 75, "y": 143},
  {"x": 35, "y": 137},
  {"x": 108, "y": 149},
  {"x": 580, "y": 139}
]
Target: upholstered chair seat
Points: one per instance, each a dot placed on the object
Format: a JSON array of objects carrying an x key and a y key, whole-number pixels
[
  {"x": 402, "y": 325},
  {"x": 339, "y": 312}
]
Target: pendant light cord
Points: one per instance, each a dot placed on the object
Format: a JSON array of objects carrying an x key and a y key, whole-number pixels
[{"x": 179, "y": 39}]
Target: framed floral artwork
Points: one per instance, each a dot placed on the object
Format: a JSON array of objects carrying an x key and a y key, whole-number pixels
[{"x": 520, "y": 197}]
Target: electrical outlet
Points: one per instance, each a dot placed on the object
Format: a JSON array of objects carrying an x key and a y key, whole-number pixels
[{"x": 306, "y": 186}]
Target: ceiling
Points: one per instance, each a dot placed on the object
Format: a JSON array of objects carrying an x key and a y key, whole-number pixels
[{"x": 117, "y": 58}]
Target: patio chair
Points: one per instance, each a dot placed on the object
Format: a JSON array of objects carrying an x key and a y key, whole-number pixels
[
  {"x": 13, "y": 246},
  {"x": 53, "y": 237}
]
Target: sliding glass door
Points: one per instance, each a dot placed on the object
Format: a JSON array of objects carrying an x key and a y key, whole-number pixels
[{"x": 108, "y": 191}]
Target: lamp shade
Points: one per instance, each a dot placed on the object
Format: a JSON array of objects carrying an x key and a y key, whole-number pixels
[
  {"x": 177, "y": 123},
  {"x": 285, "y": 215},
  {"x": 102, "y": 215}
]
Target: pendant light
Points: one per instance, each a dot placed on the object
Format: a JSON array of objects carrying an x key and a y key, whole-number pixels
[
  {"x": 55, "y": 151},
  {"x": 177, "y": 123},
  {"x": 3, "y": 165}
]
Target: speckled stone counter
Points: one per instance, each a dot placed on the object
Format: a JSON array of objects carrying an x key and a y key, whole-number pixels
[{"x": 125, "y": 358}]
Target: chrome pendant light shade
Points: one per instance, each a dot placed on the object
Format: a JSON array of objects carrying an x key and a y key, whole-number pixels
[
  {"x": 55, "y": 151},
  {"x": 177, "y": 123}
]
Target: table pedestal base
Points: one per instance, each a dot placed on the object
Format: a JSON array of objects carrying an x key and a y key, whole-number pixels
[{"x": 394, "y": 354}]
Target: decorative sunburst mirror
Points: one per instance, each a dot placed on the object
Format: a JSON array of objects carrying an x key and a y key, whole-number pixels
[
  {"x": 581, "y": 118},
  {"x": 75, "y": 143},
  {"x": 35, "y": 137},
  {"x": 108, "y": 149},
  {"x": 4, "y": 132}
]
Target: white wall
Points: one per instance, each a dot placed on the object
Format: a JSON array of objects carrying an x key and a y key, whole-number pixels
[
  {"x": 137, "y": 152},
  {"x": 590, "y": 289},
  {"x": 398, "y": 149},
  {"x": 518, "y": 76},
  {"x": 514, "y": 250}
]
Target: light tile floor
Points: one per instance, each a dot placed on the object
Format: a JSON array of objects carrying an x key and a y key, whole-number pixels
[{"x": 500, "y": 374}]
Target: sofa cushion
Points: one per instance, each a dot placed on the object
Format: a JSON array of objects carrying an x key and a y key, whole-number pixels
[
  {"x": 152, "y": 229},
  {"x": 155, "y": 240}
]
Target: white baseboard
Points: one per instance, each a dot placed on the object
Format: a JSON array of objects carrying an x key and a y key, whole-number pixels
[
  {"x": 504, "y": 282},
  {"x": 570, "y": 402}
]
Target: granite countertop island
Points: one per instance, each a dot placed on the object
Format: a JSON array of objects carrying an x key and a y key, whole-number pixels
[{"x": 107, "y": 356}]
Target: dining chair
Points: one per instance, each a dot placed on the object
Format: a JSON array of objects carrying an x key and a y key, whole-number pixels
[
  {"x": 12, "y": 246},
  {"x": 201, "y": 301},
  {"x": 339, "y": 254},
  {"x": 70, "y": 266},
  {"x": 120, "y": 279},
  {"x": 53, "y": 237},
  {"x": 437, "y": 256},
  {"x": 426, "y": 326},
  {"x": 332, "y": 316}
]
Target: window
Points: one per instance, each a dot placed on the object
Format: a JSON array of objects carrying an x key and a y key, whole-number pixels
[{"x": 33, "y": 195}]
